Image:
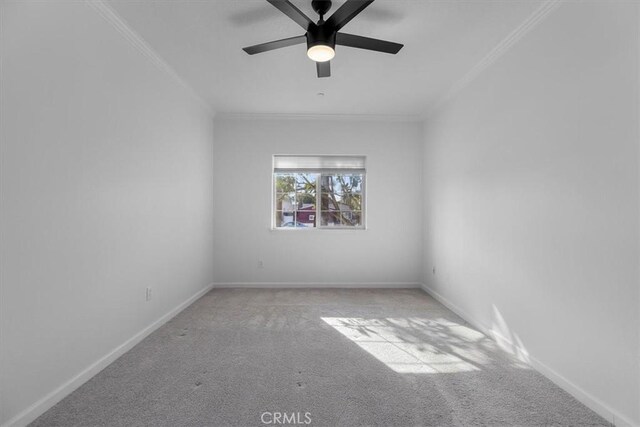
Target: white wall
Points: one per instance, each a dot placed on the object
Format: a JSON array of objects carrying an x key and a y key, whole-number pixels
[
  {"x": 531, "y": 202},
  {"x": 386, "y": 254},
  {"x": 106, "y": 185}
]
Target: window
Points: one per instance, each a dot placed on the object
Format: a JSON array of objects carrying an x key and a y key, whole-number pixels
[{"x": 318, "y": 192}]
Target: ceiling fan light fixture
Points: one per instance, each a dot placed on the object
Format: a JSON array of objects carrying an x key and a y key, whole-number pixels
[{"x": 321, "y": 53}]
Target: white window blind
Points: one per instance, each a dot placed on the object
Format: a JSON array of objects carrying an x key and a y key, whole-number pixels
[{"x": 314, "y": 163}]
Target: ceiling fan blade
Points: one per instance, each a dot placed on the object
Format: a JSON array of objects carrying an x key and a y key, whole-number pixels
[
  {"x": 360, "y": 42},
  {"x": 277, "y": 44},
  {"x": 323, "y": 69},
  {"x": 293, "y": 12},
  {"x": 347, "y": 12}
]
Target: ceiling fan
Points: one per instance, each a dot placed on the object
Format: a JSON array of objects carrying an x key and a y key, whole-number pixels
[{"x": 323, "y": 36}]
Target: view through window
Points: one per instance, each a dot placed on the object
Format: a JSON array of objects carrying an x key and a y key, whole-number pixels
[{"x": 319, "y": 191}]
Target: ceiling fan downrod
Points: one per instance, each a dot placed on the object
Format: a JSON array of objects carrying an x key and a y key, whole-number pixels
[{"x": 321, "y": 7}]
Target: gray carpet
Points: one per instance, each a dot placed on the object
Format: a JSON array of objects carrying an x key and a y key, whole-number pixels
[{"x": 335, "y": 357}]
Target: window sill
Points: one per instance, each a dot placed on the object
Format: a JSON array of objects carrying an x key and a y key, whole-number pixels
[{"x": 312, "y": 229}]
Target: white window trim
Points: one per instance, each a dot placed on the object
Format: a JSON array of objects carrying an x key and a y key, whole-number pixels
[{"x": 318, "y": 227}]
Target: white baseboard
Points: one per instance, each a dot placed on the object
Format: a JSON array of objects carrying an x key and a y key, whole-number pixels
[
  {"x": 584, "y": 397},
  {"x": 41, "y": 406},
  {"x": 347, "y": 285}
]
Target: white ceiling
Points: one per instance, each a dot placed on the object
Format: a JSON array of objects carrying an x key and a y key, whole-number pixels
[{"x": 443, "y": 40}]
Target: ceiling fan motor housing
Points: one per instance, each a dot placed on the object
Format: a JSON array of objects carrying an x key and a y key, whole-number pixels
[
  {"x": 321, "y": 35},
  {"x": 321, "y": 6}
]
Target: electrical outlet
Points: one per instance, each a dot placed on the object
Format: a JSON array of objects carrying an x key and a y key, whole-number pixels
[
  {"x": 148, "y": 294},
  {"x": 260, "y": 264}
]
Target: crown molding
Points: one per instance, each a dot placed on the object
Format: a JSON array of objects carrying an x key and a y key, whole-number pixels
[
  {"x": 135, "y": 40},
  {"x": 326, "y": 117},
  {"x": 120, "y": 25},
  {"x": 500, "y": 49}
]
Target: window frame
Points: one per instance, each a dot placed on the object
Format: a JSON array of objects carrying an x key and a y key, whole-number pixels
[{"x": 319, "y": 172}]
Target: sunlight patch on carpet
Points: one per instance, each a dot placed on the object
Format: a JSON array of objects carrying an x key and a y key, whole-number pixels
[{"x": 415, "y": 345}]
